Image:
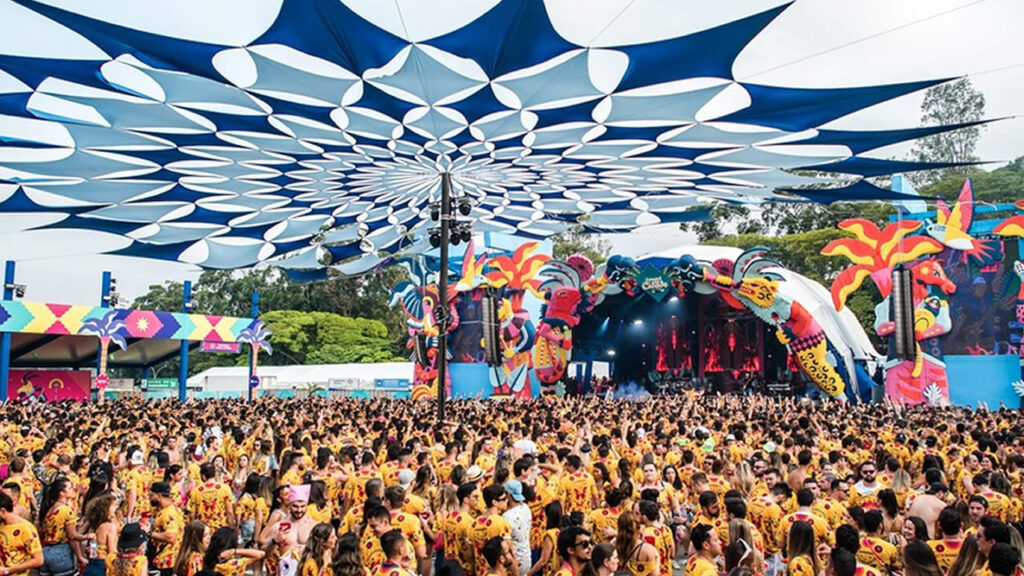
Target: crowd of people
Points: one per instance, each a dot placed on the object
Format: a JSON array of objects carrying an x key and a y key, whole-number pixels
[{"x": 696, "y": 485}]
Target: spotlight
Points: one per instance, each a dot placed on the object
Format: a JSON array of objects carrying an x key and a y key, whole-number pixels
[
  {"x": 455, "y": 239},
  {"x": 435, "y": 237},
  {"x": 18, "y": 289},
  {"x": 611, "y": 352},
  {"x": 466, "y": 234},
  {"x": 638, "y": 322},
  {"x": 465, "y": 206},
  {"x": 435, "y": 212}
]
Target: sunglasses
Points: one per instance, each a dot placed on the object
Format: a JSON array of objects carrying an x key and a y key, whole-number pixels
[
  {"x": 746, "y": 550},
  {"x": 585, "y": 544}
]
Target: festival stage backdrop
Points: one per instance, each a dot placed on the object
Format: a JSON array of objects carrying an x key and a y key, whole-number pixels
[
  {"x": 48, "y": 385},
  {"x": 650, "y": 311}
]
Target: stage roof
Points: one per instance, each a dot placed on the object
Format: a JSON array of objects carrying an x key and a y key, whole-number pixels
[{"x": 322, "y": 140}]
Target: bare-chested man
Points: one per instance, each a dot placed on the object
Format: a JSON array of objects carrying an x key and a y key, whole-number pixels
[
  {"x": 928, "y": 506},
  {"x": 289, "y": 535}
]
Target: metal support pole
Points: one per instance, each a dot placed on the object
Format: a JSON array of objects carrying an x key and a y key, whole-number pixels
[
  {"x": 254, "y": 312},
  {"x": 104, "y": 303},
  {"x": 186, "y": 305},
  {"x": 442, "y": 289},
  {"x": 5, "y": 338}
]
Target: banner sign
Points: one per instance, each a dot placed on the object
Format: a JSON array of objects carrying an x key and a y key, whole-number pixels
[
  {"x": 49, "y": 385},
  {"x": 160, "y": 383},
  {"x": 228, "y": 347}
]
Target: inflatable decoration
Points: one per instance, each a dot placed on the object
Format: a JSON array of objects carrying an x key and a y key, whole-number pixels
[
  {"x": 570, "y": 289},
  {"x": 747, "y": 283},
  {"x": 513, "y": 276}
]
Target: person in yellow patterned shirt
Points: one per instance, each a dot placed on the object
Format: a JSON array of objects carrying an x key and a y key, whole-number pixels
[
  {"x": 604, "y": 520},
  {"x": 355, "y": 487},
  {"x": 489, "y": 525},
  {"x": 707, "y": 546},
  {"x": 60, "y": 537},
  {"x": 128, "y": 559},
  {"x": 168, "y": 525},
  {"x": 577, "y": 489},
  {"x": 802, "y": 555},
  {"x": 211, "y": 501},
  {"x": 947, "y": 548},
  {"x": 20, "y": 547},
  {"x": 875, "y": 551}
]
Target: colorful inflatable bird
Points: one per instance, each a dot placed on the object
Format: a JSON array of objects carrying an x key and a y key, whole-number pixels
[{"x": 952, "y": 228}]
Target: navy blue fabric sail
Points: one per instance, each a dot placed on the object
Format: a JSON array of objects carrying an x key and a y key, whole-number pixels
[{"x": 323, "y": 139}]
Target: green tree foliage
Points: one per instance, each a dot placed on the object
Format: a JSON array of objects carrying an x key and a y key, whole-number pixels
[
  {"x": 228, "y": 293},
  {"x": 325, "y": 338},
  {"x": 949, "y": 103},
  {"x": 577, "y": 241}
]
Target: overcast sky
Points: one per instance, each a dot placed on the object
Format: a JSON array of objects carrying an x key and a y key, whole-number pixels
[{"x": 814, "y": 43}]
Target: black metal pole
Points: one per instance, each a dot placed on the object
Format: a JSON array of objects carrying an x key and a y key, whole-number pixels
[{"x": 442, "y": 289}]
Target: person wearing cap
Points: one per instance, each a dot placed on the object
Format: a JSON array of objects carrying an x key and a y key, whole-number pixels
[
  {"x": 520, "y": 518},
  {"x": 929, "y": 506},
  {"x": 289, "y": 534},
  {"x": 212, "y": 501},
  {"x": 168, "y": 525},
  {"x": 129, "y": 559},
  {"x": 20, "y": 547},
  {"x": 136, "y": 481}
]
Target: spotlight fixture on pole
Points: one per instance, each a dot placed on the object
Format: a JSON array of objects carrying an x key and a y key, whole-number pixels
[{"x": 448, "y": 231}]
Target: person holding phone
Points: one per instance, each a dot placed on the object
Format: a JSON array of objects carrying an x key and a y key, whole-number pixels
[{"x": 289, "y": 535}]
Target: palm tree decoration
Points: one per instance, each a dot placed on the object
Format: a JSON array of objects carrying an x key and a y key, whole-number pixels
[
  {"x": 108, "y": 329},
  {"x": 257, "y": 336},
  {"x": 518, "y": 273}
]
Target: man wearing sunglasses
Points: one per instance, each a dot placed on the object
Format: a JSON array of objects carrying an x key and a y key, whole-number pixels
[{"x": 575, "y": 547}]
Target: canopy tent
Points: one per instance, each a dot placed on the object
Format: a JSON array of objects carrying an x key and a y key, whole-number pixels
[{"x": 322, "y": 141}]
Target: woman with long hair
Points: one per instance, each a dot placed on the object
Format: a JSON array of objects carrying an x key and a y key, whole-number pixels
[
  {"x": 919, "y": 560},
  {"x": 243, "y": 470},
  {"x": 58, "y": 530},
  {"x": 194, "y": 540},
  {"x": 602, "y": 478},
  {"x": 224, "y": 557},
  {"x": 892, "y": 520},
  {"x": 245, "y": 510},
  {"x": 129, "y": 559},
  {"x": 744, "y": 478},
  {"x": 347, "y": 559},
  {"x": 802, "y": 551},
  {"x": 549, "y": 562},
  {"x": 914, "y": 528},
  {"x": 604, "y": 560},
  {"x": 319, "y": 508},
  {"x": 635, "y": 553},
  {"x": 970, "y": 559},
  {"x": 740, "y": 529},
  {"x": 101, "y": 519},
  {"x": 316, "y": 559},
  {"x": 903, "y": 486}
]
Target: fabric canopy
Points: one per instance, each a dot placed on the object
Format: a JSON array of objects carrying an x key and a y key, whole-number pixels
[{"x": 322, "y": 141}]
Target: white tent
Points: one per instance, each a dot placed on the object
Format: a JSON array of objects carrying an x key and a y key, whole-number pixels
[{"x": 234, "y": 379}]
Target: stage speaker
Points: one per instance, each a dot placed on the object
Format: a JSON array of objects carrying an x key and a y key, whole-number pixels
[
  {"x": 491, "y": 328},
  {"x": 419, "y": 346},
  {"x": 902, "y": 309}
]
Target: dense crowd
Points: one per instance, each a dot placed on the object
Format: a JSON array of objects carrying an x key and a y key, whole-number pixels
[{"x": 744, "y": 485}]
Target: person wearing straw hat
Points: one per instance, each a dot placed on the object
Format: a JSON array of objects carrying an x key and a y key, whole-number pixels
[{"x": 130, "y": 557}]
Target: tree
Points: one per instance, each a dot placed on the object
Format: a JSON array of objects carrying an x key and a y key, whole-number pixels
[
  {"x": 325, "y": 338},
  {"x": 949, "y": 103},
  {"x": 577, "y": 240}
]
